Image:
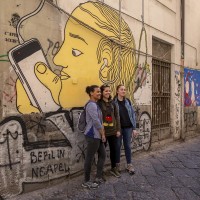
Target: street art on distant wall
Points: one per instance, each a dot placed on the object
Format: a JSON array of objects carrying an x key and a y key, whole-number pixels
[
  {"x": 43, "y": 143},
  {"x": 191, "y": 87}
]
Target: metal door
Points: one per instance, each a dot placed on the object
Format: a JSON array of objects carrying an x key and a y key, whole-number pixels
[{"x": 161, "y": 98}]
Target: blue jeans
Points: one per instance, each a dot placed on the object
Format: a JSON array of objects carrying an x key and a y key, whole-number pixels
[{"x": 126, "y": 134}]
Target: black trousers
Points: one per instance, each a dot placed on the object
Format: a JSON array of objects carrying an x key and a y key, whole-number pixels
[
  {"x": 112, "y": 141},
  {"x": 94, "y": 146}
]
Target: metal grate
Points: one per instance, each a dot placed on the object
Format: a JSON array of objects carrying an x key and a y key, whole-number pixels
[{"x": 160, "y": 94}]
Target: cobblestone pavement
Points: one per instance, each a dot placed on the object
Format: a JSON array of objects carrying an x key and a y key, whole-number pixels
[{"x": 170, "y": 173}]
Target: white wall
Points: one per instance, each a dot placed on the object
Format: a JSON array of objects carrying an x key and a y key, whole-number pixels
[{"x": 192, "y": 33}]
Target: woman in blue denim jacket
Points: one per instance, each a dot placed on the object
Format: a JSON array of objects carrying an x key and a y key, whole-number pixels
[{"x": 128, "y": 126}]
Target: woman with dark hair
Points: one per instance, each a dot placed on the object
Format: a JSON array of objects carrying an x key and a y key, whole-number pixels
[
  {"x": 128, "y": 126},
  {"x": 95, "y": 136},
  {"x": 111, "y": 123}
]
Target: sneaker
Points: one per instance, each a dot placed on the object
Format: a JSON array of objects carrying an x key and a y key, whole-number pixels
[
  {"x": 118, "y": 166},
  {"x": 114, "y": 172},
  {"x": 99, "y": 180},
  {"x": 90, "y": 185},
  {"x": 130, "y": 169}
]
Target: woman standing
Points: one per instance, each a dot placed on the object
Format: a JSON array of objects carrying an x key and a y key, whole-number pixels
[
  {"x": 128, "y": 126},
  {"x": 111, "y": 124},
  {"x": 95, "y": 136}
]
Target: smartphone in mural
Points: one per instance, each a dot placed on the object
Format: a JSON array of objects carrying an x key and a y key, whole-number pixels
[{"x": 23, "y": 58}]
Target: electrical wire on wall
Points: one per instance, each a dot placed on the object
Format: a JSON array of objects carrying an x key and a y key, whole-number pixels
[
  {"x": 120, "y": 46},
  {"x": 143, "y": 30}
]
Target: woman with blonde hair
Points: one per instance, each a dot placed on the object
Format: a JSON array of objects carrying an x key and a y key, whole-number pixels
[{"x": 128, "y": 126}]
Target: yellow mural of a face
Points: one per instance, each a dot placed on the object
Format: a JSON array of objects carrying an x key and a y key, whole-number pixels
[
  {"x": 78, "y": 58},
  {"x": 87, "y": 57}
]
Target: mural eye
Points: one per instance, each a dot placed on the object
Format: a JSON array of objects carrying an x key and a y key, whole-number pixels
[{"x": 76, "y": 52}]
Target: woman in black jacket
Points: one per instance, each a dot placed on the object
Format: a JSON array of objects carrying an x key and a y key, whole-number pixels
[{"x": 111, "y": 123}]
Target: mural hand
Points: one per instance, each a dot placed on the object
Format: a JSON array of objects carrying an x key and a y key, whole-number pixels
[
  {"x": 49, "y": 79},
  {"x": 24, "y": 105}
]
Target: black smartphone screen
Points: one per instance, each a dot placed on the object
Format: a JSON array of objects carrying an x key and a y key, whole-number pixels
[{"x": 26, "y": 51}]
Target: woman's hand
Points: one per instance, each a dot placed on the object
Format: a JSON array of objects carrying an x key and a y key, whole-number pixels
[
  {"x": 134, "y": 133},
  {"x": 103, "y": 138},
  {"x": 118, "y": 134},
  {"x": 102, "y": 133}
]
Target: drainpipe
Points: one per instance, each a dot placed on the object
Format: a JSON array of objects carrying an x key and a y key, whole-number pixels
[
  {"x": 120, "y": 47},
  {"x": 182, "y": 131},
  {"x": 182, "y": 30}
]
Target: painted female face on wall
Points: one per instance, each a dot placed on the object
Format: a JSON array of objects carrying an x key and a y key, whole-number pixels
[
  {"x": 78, "y": 58},
  {"x": 86, "y": 57}
]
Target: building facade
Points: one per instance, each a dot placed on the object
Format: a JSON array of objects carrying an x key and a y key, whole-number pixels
[{"x": 51, "y": 50}]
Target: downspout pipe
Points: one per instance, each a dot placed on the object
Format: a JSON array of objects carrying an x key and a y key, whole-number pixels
[
  {"x": 182, "y": 29},
  {"x": 182, "y": 130}
]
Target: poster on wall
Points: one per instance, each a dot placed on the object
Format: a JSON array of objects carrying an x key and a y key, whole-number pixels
[{"x": 191, "y": 87}]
